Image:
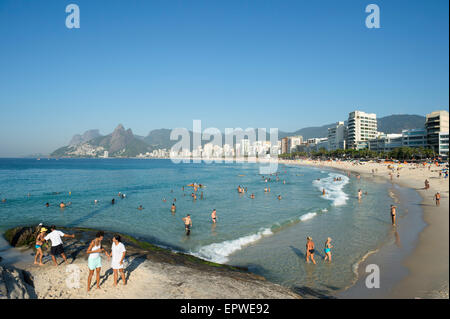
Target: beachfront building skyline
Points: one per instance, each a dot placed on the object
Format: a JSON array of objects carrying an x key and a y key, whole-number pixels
[
  {"x": 361, "y": 128},
  {"x": 337, "y": 136},
  {"x": 361, "y": 132}
]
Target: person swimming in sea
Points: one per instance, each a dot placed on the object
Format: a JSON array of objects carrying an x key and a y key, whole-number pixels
[
  {"x": 359, "y": 194},
  {"x": 214, "y": 216},
  {"x": 113, "y": 201},
  {"x": 62, "y": 205},
  {"x": 140, "y": 207},
  {"x": 252, "y": 196},
  {"x": 47, "y": 204},
  {"x": 327, "y": 249},
  {"x": 173, "y": 208},
  {"x": 323, "y": 191},
  {"x": 279, "y": 197}
]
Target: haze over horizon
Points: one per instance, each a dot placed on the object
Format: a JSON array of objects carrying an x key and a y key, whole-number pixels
[{"x": 151, "y": 64}]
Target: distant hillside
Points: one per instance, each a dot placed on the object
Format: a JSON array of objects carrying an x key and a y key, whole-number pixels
[
  {"x": 87, "y": 136},
  {"x": 397, "y": 123},
  {"x": 159, "y": 139},
  {"x": 120, "y": 143}
]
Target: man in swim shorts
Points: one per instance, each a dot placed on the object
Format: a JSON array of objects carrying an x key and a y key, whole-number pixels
[
  {"x": 187, "y": 224},
  {"x": 437, "y": 197},
  {"x": 57, "y": 244}
]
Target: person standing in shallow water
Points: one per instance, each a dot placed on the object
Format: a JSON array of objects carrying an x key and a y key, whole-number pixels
[
  {"x": 187, "y": 224},
  {"x": 310, "y": 250},
  {"x": 437, "y": 197},
  {"x": 393, "y": 213},
  {"x": 327, "y": 249}
]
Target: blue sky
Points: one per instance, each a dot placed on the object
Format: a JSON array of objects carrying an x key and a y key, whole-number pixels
[{"x": 230, "y": 63}]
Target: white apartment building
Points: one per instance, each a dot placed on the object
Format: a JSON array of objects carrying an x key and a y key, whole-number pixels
[
  {"x": 436, "y": 123},
  {"x": 337, "y": 136},
  {"x": 362, "y": 127},
  {"x": 295, "y": 141}
]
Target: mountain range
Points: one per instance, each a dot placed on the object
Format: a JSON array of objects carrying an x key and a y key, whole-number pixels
[{"x": 123, "y": 143}]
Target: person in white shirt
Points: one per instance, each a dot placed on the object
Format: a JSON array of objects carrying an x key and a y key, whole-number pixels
[
  {"x": 117, "y": 255},
  {"x": 57, "y": 245}
]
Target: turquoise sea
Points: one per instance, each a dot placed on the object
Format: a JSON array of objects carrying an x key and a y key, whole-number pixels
[{"x": 265, "y": 234}]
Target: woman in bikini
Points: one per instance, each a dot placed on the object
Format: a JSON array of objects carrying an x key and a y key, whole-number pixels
[
  {"x": 39, "y": 242},
  {"x": 327, "y": 249}
]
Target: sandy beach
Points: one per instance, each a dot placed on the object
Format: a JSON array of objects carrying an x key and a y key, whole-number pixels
[{"x": 428, "y": 264}]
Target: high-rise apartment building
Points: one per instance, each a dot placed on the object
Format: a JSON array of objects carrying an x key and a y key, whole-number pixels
[
  {"x": 362, "y": 127},
  {"x": 337, "y": 136}
]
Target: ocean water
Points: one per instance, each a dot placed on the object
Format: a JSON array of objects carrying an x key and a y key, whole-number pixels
[{"x": 265, "y": 234}]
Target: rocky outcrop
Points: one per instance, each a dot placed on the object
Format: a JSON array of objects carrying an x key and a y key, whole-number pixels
[
  {"x": 16, "y": 284},
  {"x": 22, "y": 236}
]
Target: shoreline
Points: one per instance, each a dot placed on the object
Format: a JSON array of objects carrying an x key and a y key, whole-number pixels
[
  {"x": 152, "y": 272},
  {"x": 428, "y": 267}
]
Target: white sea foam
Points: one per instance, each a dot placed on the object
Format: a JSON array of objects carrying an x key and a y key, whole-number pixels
[
  {"x": 333, "y": 189},
  {"x": 307, "y": 216},
  {"x": 219, "y": 252}
]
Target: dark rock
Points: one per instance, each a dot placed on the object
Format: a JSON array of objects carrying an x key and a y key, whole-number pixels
[{"x": 16, "y": 284}]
